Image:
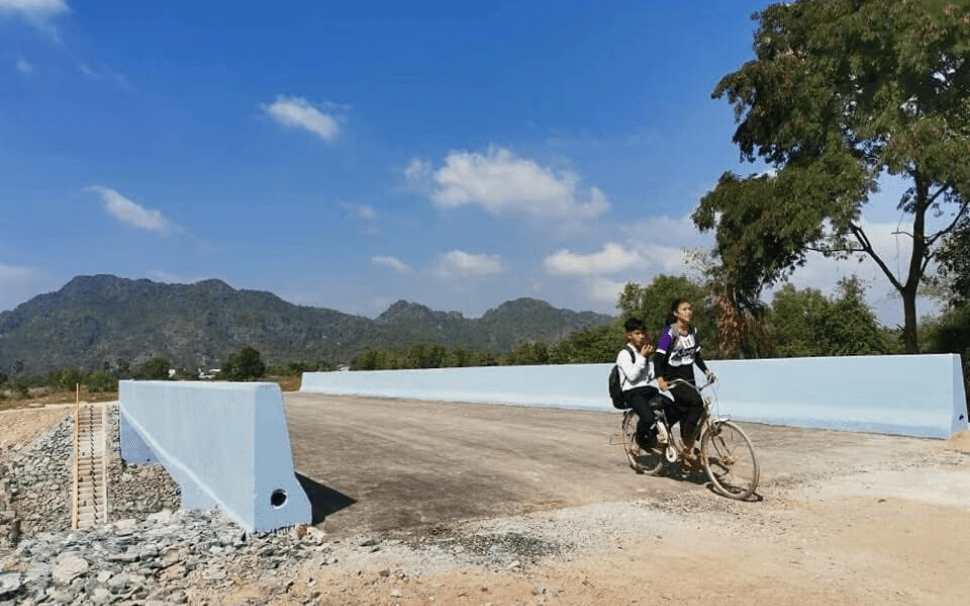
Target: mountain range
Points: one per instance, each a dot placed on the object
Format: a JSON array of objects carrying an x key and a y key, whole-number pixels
[{"x": 104, "y": 321}]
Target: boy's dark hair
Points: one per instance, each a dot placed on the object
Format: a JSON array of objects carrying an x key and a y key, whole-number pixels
[{"x": 633, "y": 324}]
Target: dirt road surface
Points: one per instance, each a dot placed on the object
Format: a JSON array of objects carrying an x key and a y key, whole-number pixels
[{"x": 841, "y": 518}]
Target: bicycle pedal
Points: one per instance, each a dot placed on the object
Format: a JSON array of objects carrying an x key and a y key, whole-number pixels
[
  {"x": 662, "y": 436},
  {"x": 671, "y": 453}
]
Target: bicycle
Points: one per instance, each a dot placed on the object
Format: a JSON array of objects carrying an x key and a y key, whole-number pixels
[{"x": 726, "y": 453}]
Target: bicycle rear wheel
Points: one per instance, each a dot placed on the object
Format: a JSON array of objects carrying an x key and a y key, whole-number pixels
[
  {"x": 729, "y": 460},
  {"x": 642, "y": 461}
]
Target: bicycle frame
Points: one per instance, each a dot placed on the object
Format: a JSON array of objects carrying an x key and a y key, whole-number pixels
[{"x": 727, "y": 455}]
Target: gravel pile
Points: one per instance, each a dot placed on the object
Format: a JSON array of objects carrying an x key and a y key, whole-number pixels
[
  {"x": 152, "y": 553},
  {"x": 155, "y": 555},
  {"x": 135, "y": 490},
  {"x": 35, "y": 490}
]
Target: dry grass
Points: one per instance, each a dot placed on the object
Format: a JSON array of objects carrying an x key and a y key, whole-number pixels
[{"x": 40, "y": 398}]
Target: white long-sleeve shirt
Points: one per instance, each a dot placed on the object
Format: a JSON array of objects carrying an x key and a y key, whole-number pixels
[{"x": 635, "y": 371}]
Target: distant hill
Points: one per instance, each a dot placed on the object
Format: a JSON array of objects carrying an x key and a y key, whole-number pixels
[{"x": 95, "y": 322}]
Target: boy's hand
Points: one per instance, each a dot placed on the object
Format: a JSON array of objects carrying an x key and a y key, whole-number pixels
[{"x": 646, "y": 350}]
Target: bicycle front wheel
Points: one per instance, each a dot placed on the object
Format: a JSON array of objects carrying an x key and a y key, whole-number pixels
[
  {"x": 642, "y": 461},
  {"x": 729, "y": 460}
]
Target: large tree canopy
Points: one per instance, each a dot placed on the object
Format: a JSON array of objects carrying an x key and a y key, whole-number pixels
[{"x": 841, "y": 93}]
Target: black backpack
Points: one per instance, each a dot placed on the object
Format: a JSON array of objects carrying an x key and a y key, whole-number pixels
[{"x": 616, "y": 387}]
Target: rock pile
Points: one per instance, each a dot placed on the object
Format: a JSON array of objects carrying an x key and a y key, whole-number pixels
[
  {"x": 146, "y": 554},
  {"x": 149, "y": 556},
  {"x": 35, "y": 490},
  {"x": 157, "y": 561}
]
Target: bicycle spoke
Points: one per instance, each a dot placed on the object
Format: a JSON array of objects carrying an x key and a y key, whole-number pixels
[
  {"x": 642, "y": 461},
  {"x": 729, "y": 460}
]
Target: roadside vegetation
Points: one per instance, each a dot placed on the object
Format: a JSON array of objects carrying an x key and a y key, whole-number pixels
[{"x": 796, "y": 323}]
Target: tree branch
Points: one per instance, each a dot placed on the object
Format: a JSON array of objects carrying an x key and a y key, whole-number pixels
[
  {"x": 868, "y": 249},
  {"x": 938, "y": 192},
  {"x": 960, "y": 215}
]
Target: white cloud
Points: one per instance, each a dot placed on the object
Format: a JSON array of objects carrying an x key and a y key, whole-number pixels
[
  {"x": 392, "y": 262},
  {"x": 460, "y": 263},
  {"x": 297, "y": 112},
  {"x": 104, "y": 74},
  {"x": 499, "y": 182},
  {"x": 366, "y": 212},
  {"x": 611, "y": 259},
  {"x": 131, "y": 213},
  {"x": 40, "y": 9},
  {"x": 602, "y": 291},
  {"x": 24, "y": 66},
  {"x": 418, "y": 171},
  {"x": 617, "y": 258},
  {"x": 38, "y": 13}
]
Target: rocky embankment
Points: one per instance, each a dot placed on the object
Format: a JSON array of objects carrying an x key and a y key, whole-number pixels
[{"x": 153, "y": 554}]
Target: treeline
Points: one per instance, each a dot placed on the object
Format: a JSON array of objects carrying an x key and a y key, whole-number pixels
[
  {"x": 796, "y": 323},
  {"x": 586, "y": 346},
  {"x": 244, "y": 365}
]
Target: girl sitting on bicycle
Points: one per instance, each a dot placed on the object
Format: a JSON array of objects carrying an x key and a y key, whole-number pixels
[{"x": 677, "y": 352}]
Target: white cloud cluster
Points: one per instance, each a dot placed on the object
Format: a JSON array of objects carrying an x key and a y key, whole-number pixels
[
  {"x": 38, "y": 13},
  {"x": 131, "y": 213},
  {"x": 392, "y": 262},
  {"x": 616, "y": 258},
  {"x": 460, "y": 263},
  {"x": 42, "y": 9},
  {"x": 24, "y": 66},
  {"x": 498, "y": 182},
  {"x": 611, "y": 259},
  {"x": 297, "y": 112}
]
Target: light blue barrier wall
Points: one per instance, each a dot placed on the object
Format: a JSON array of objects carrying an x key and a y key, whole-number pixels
[
  {"x": 226, "y": 444},
  {"x": 907, "y": 395}
]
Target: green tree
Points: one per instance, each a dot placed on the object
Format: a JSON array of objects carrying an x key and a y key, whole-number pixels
[
  {"x": 20, "y": 386},
  {"x": 796, "y": 319},
  {"x": 596, "y": 345},
  {"x": 806, "y": 323},
  {"x": 244, "y": 365},
  {"x": 851, "y": 325},
  {"x": 652, "y": 304},
  {"x": 954, "y": 264},
  {"x": 101, "y": 381},
  {"x": 66, "y": 379},
  {"x": 528, "y": 354},
  {"x": 841, "y": 93},
  {"x": 155, "y": 369}
]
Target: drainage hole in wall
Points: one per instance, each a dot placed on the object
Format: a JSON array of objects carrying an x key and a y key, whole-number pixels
[{"x": 278, "y": 498}]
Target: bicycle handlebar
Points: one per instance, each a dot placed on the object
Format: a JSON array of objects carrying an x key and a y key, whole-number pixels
[{"x": 673, "y": 382}]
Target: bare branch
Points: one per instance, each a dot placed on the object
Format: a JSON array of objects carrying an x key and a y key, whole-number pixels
[
  {"x": 960, "y": 215},
  {"x": 869, "y": 250}
]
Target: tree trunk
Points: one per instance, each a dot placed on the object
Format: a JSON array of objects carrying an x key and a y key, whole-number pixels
[{"x": 910, "y": 340}]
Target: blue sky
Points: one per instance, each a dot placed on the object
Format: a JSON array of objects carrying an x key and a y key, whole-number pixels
[{"x": 347, "y": 155}]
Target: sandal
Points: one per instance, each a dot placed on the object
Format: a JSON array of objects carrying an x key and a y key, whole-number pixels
[{"x": 691, "y": 460}]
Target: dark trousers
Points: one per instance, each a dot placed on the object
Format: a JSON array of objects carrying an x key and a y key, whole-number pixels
[
  {"x": 642, "y": 400},
  {"x": 687, "y": 408}
]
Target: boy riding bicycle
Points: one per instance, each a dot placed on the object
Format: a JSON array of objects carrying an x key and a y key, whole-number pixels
[{"x": 640, "y": 390}]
